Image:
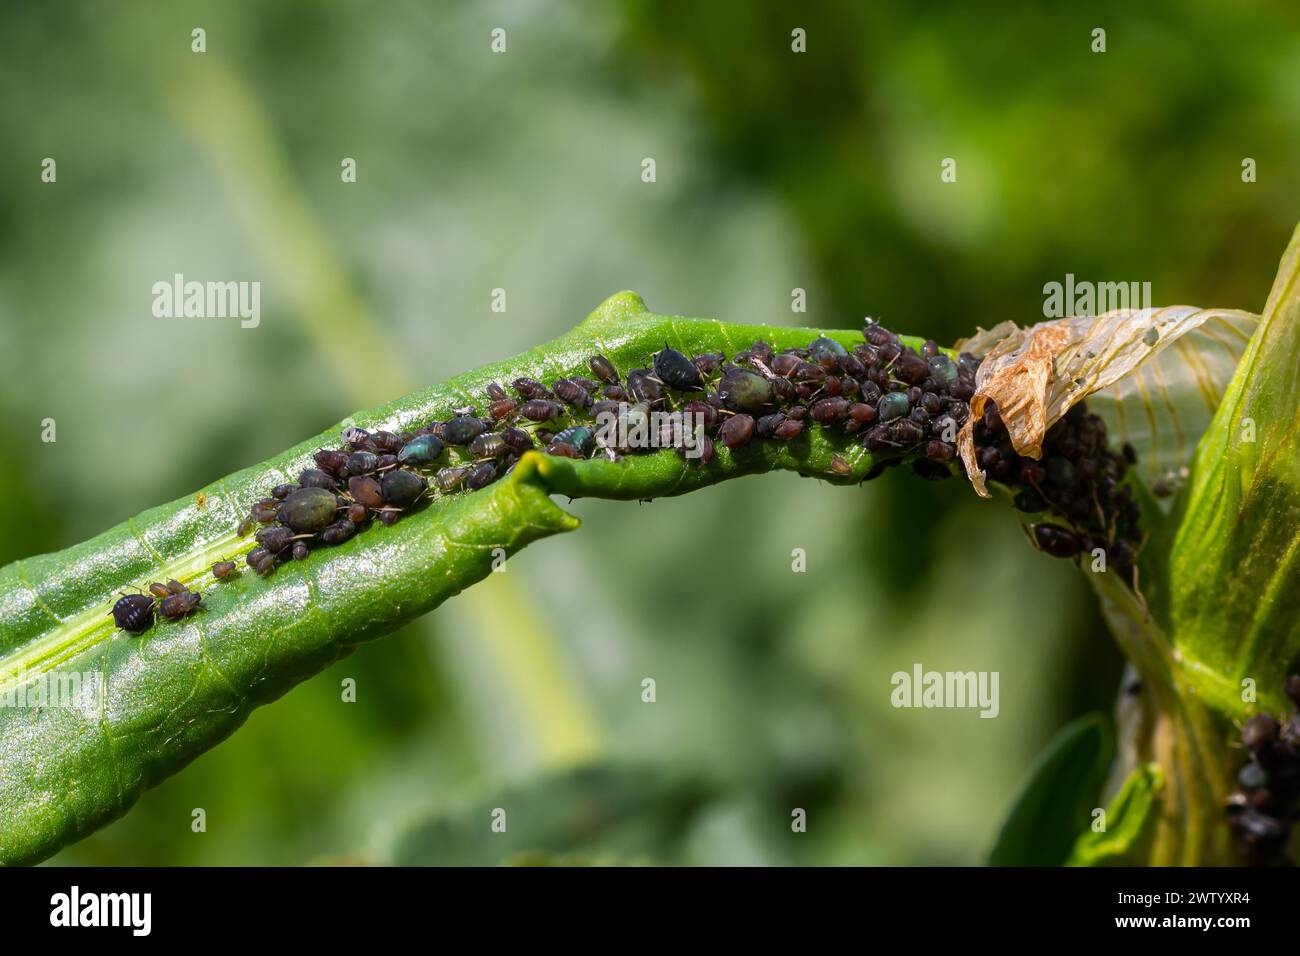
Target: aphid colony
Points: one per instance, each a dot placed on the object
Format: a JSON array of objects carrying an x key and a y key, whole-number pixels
[
  {"x": 1078, "y": 478},
  {"x": 1261, "y": 812},
  {"x": 898, "y": 399},
  {"x": 901, "y": 403}
]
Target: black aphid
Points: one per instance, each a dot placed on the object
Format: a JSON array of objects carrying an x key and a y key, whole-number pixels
[
  {"x": 134, "y": 613},
  {"x": 462, "y": 430},
  {"x": 402, "y": 488},
  {"x": 677, "y": 371}
]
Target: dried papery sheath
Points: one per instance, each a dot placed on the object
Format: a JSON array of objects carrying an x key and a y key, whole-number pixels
[
  {"x": 1166, "y": 404},
  {"x": 1035, "y": 374}
]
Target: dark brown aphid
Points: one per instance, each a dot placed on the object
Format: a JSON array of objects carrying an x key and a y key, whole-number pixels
[
  {"x": 223, "y": 569},
  {"x": 939, "y": 452},
  {"x": 604, "y": 369},
  {"x": 1057, "y": 541},
  {"x": 878, "y": 335},
  {"x": 496, "y": 392},
  {"x": 707, "y": 363},
  {"x": 1292, "y": 689},
  {"x": 317, "y": 478},
  {"x": 786, "y": 365},
  {"x": 134, "y": 613},
  {"x": 365, "y": 491},
  {"x": 488, "y": 445},
  {"x": 264, "y": 511},
  {"x": 737, "y": 431},
  {"x": 300, "y": 550},
  {"x": 707, "y": 450},
  {"x": 1260, "y": 732},
  {"x": 389, "y": 518},
  {"x": 387, "y": 442},
  {"x": 704, "y": 412},
  {"x": 178, "y": 605},
  {"x": 643, "y": 386},
  {"x": 808, "y": 372},
  {"x": 159, "y": 590},
  {"x": 355, "y": 436},
  {"x": 572, "y": 393},
  {"x": 541, "y": 410},
  {"x": 481, "y": 475},
  {"x": 529, "y": 389},
  {"x": 331, "y": 460},
  {"x": 261, "y": 560},
  {"x": 862, "y": 413},
  {"x": 615, "y": 393},
  {"x": 356, "y": 513},
  {"x": 878, "y": 438},
  {"x": 339, "y": 531},
  {"x": 385, "y": 462},
  {"x": 361, "y": 463},
  {"x": 517, "y": 439},
  {"x": 786, "y": 390},
  {"x": 840, "y": 467},
  {"x": 788, "y": 429},
  {"x": 827, "y": 411},
  {"x": 280, "y": 492},
  {"x": 245, "y": 526},
  {"x": 276, "y": 539},
  {"x": 502, "y": 409},
  {"x": 451, "y": 478},
  {"x": 563, "y": 449},
  {"x": 768, "y": 424},
  {"x": 906, "y": 432}
]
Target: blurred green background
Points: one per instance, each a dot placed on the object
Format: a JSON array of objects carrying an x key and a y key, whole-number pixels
[{"x": 521, "y": 170}]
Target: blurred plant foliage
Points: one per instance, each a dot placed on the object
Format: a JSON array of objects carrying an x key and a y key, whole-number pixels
[{"x": 776, "y": 171}]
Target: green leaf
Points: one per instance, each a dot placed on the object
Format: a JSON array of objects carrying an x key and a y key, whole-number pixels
[
  {"x": 1059, "y": 798},
  {"x": 1130, "y": 823},
  {"x": 182, "y": 687},
  {"x": 1234, "y": 575}
]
